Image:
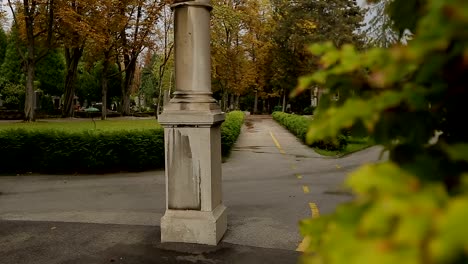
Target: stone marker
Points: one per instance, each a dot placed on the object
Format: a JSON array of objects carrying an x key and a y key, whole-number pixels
[{"x": 192, "y": 119}]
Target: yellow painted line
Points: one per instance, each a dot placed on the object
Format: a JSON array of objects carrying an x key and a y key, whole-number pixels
[
  {"x": 314, "y": 209},
  {"x": 303, "y": 245},
  {"x": 305, "y": 189},
  {"x": 277, "y": 143},
  {"x": 338, "y": 166},
  {"x": 293, "y": 166},
  {"x": 299, "y": 176},
  {"x": 306, "y": 241}
]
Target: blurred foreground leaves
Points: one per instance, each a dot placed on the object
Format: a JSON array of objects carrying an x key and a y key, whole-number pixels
[{"x": 412, "y": 99}]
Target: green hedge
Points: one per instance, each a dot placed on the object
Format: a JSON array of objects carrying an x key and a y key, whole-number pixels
[
  {"x": 56, "y": 151},
  {"x": 230, "y": 130},
  {"x": 299, "y": 125}
]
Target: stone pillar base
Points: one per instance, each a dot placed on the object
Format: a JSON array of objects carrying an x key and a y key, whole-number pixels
[{"x": 197, "y": 227}]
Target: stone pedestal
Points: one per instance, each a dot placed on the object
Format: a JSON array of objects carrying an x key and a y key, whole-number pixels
[{"x": 192, "y": 119}]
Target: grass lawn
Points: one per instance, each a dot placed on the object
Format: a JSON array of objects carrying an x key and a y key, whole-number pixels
[
  {"x": 354, "y": 144},
  {"x": 83, "y": 125}
]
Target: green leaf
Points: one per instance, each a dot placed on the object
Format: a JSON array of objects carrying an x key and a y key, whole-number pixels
[
  {"x": 382, "y": 178},
  {"x": 452, "y": 232},
  {"x": 319, "y": 49},
  {"x": 457, "y": 152}
]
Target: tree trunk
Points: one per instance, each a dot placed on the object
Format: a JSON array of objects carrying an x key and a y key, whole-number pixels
[
  {"x": 104, "y": 83},
  {"x": 231, "y": 103},
  {"x": 319, "y": 96},
  {"x": 29, "y": 111},
  {"x": 312, "y": 99},
  {"x": 30, "y": 63},
  {"x": 167, "y": 97},
  {"x": 104, "y": 99},
  {"x": 72, "y": 57},
  {"x": 130, "y": 66},
  {"x": 255, "y": 110},
  {"x": 226, "y": 101},
  {"x": 284, "y": 101},
  {"x": 158, "y": 103}
]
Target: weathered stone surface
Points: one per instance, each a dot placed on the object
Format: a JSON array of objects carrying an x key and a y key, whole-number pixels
[
  {"x": 194, "y": 226},
  {"x": 193, "y": 168},
  {"x": 192, "y": 119}
]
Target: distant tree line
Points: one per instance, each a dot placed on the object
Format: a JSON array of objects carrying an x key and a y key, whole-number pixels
[
  {"x": 77, "y": 48},
  {"x": 109, "y": 51}
]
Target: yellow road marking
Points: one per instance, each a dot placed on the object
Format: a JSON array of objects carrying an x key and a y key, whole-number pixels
[
  {"x": 306, "y": 241},
  {"x": 338, "y": 166},
  {"x": 303, "y": 245},
  {"x": 305, "y": 189},
  {"x": 293, "y": 166},
  {"x": 299, "y": 176},
  {"x": 314, "y": 209},
  {"x": 277, "y": 143}
]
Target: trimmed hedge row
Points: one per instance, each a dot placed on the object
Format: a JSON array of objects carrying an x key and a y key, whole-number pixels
[
  {"x": 299, "y": 125},
  {"x": 54, "y": 151},
  {"x": 230, "y": 130}
]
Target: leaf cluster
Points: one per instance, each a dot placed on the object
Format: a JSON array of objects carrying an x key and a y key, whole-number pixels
[{"x": 410, "y": 98}]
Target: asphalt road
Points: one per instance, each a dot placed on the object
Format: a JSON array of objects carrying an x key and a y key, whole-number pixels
[{"x": 270, "y": 182}]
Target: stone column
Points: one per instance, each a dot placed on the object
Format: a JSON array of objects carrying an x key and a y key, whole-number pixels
[{"x": 192, "y": 119}]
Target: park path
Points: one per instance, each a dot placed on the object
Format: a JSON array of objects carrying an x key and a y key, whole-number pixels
[{"x": 270, "y": 182}]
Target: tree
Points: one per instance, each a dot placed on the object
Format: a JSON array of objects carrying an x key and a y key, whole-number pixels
[
  {"x": 3, "y": 45},
  {"x": 258, "y": 19},
  {"x": 88, "y": 83},
  {"x": 34, "y": 20},
  {"x": 51, "y": 73},
  {"x": 141, "y": 17},
  {"x": 304, "y": 22},
  {"x": 149, "y": 81},
  {"x": 380, "y": 32},
  {"x": 75, "y": 25},
  {"x": 108, "y": 23},
  {"x": 226, "y": 48},
  {"x": 167, "y": 47},
  {"x": 411, "y": 208},
  {"x": 10, "y": 69}
]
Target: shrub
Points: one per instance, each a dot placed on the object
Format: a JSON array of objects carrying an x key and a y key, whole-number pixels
[
  {"x": 299, "y": 125},
  {"x": 56, "y": 151},
  {"x": 230, "y": 130},
  {"x": 329, "y": 143},
  {"x": 47, "y": 105},
  {"x": 277, "y": 108},
  {"x": 309, "y": 110},
  {"x": 13, "y": 96}
]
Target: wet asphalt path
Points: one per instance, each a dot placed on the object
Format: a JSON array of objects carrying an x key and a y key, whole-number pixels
[{"x": 270, "y": 182}]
